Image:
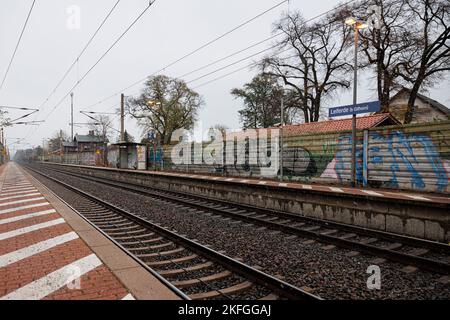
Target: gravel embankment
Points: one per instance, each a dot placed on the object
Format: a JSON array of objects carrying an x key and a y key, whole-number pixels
[{"x": 328, "y": 273}]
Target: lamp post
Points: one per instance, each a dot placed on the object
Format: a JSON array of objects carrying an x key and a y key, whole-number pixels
[
  {"x": 357, "y": 25},
  {"x": 282, "y": 139},
  {"x": 151, "y": 104}
]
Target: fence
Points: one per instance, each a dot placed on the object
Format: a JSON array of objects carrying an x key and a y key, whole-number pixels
[{"x": 413, "y": 157}]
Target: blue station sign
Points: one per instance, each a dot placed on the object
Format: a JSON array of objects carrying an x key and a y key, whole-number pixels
[{"x": 367, "y": 107}]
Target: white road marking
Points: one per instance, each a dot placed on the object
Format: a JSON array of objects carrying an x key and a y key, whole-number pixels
[
  {"x": 336, "y": 190},
  {"x": 54, "y": 281},
  {"x": 262, "y": 182},
  {"x": 244, "y": 181},
  {"x": 417, "y": 197},
  {"x": 18, "y": 232},
  {"x": 27, "y": 216},
  {"x": 20, "y": 201},
  {"x": 372, "y": 193},
  {"x": 128, "y": 297},
  {"x": 20, "y": 192},
  {"x": 304, "y": 186},
  {"x": 24, "y": 207},
  {"x": 36, "y": 248},
  {"x": 20, "y": 196},
  {"x": 282, "y": 184},
  {"x": 229, "y": 179}
]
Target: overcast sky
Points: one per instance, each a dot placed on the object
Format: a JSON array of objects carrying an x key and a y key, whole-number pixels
[{"x": 170, "y": 29}]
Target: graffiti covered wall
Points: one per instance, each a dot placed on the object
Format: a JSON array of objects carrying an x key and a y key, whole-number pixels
[{"x": 413, "y": 157}]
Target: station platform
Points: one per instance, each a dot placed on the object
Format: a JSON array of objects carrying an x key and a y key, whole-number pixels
[
  {"x": 424, "y": 197},
  {"x": 385, "y": 194},
  {"x": 47, "y": 251}
]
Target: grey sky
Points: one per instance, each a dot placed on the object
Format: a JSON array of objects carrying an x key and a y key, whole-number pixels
[{"x": 170, "y": 29}]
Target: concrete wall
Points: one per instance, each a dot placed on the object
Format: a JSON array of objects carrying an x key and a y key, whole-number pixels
[{"x": 423, "y": 220}]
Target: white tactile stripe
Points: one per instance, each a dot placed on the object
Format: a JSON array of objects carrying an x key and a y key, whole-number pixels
[
  {"x": 282, "y": 184},
  {"x": 244, "y": 181},
  {"x": 20, "y": 201},
  {"x": 17, "y": 189},
  {"x": 417, "y": 197},
  {"x": 304, "y": 186},
  {"x": 336, "y": 190},
  {"x": 36, "y": 248},
  {"x": 372, "y": 193},
  {"x": 27, "y": 216},
  {"x": 19, "y": 232},
  {"x": 262, "y": 182},
  {"x": 17, "y": 185},
  {"x": 128, "y": 297},
  {"x": 20, "y": 196},
  {"x": 24, "y": 207},
  {"x": 54, "y": 281},
  {"x": 17, "y": 193}
]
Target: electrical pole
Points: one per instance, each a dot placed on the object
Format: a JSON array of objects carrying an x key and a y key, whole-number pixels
[
  {"x": 122, "y": 117},
  {"x": 71, "y": 116}
]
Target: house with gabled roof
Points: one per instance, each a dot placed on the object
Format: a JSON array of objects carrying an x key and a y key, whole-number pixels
[{"x": 425, "y": 110}]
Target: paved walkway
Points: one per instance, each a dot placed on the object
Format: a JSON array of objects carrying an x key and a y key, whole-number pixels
[{"x": 41, "y": 257}]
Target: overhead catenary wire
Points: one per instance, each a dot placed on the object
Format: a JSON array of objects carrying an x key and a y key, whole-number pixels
[
  {"x": 232, "y": 64},
  {"x": 17, "y": 45},
  {"x": 221, "y": 59},
  {"x": 76, "y": 61},
  {"x": 236, "y": 71},
  {"x": 100, "y": 59},
  {"x": 207, "y": 44}
]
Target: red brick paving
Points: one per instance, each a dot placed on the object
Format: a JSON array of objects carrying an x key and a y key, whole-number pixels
[{"x": 98, "y": 283}]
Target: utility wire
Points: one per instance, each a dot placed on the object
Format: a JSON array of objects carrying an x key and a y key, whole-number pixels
[
  {"x": 193, "y": 52},
  {"x": 237, "y": 70},
  {"x": 250, "y": 56},
  {"x": 75, "y": 62},
  {"x": 17, "y": 45},
  {"x": 224, "y": 58},
  {"x": 101, "y": 58},
  {"x": 232, "y": 64}
]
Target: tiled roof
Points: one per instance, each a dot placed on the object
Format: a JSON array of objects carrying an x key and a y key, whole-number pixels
[
  {"x": 88, "y": 138},
  {"x": 69, "y": 144},
  {"x": 338, "y": 125}
]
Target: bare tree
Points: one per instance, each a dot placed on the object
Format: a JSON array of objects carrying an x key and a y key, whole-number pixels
[
  {"x": 431, "y": 54},
  {"x": 388, "y": 45},
  {"x": 319, "y": 63},
  {"x": 55, "y": 143},
  {"x": 165, "y": 105},
  {"x": 4, "y": 120},
  {"x": 102, "y": 127}
]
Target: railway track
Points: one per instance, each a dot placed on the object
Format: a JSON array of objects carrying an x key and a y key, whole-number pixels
[
  {"x": 191, "y": 270},
  {"x": 428, "y": 255}
]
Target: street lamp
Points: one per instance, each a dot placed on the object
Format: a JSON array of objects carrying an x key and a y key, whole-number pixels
[
  {"x": 357, "y": 25},
  {"x": 152, "y": 104}
]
